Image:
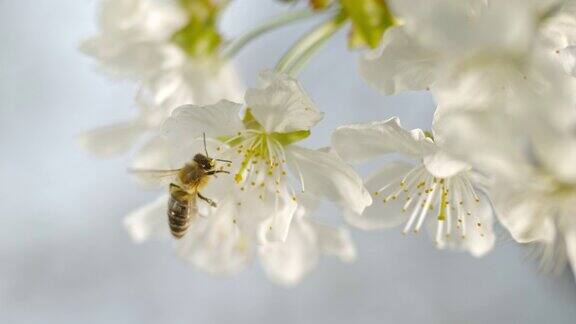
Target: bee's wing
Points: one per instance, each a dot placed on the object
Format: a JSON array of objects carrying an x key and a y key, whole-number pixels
[
  {"x": 192, "y": 207},
  {"x": 155, "y": 177}
]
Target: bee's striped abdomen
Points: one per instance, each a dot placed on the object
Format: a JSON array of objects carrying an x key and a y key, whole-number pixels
[{"x": 179, "y": 211}]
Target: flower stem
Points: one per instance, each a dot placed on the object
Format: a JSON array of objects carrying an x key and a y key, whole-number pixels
[
  {"x": 269, "y": 25},
  {"x": 297, "y": 56}
]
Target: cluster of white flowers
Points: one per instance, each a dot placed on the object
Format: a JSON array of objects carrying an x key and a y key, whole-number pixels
[
  {"x": 502, "y": 146},
  {"x": 500, "y": 72}
]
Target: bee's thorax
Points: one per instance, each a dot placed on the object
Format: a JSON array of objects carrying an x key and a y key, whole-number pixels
[{"x": 192, "y": 175}]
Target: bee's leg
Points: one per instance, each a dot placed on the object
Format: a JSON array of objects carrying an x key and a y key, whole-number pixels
[
  {"x": 207, "y": 200},
  {"x": 213, "y": 172}
]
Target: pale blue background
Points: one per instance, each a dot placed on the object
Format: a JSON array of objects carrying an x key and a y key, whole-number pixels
[{"x": 65, "y": 258}]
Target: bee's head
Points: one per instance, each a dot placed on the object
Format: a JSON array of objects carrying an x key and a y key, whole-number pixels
[{"x": 205, "y": 162}]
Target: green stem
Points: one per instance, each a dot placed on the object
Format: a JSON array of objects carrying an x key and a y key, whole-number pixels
[
  {"x": 305, "y": 47},
  {"x": 269, "y": 25}
]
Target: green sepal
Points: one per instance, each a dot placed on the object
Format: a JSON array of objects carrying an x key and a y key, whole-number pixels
[
  {"x": 199, "y": 37},
  {"x": 290, "y": 137},
  {"x": 251, "y": 123},
  {"x": 283, "y": 138},
  {"x": 370, "y": 19}
]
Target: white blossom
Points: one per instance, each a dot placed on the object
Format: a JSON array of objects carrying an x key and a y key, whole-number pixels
[
  {"x": 266, "y": 163},
  {"x": 434, "y": 187},
  {"x": 215, "y": 244},
  {"x": 265, "y": 201},
  {"x": 135, "y": 41},
  {"x": 469, "y": 51},
  {"x": 531, "y": 159}
]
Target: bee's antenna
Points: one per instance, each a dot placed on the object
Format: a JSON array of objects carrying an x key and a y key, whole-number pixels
[
  {"x": 204, "y": 138},
  {"x": 227, "y": 161}
]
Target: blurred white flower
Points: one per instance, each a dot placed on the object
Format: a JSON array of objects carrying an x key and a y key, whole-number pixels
[
  {"x": 155, "y": 43},
  {"x": 118, "y": 138},
  {"x": 137, "y": 40},
  {"x": 468, "y": 51},
  {"x": 559, "y": 34},
  {"x": 435, "y": 184},
  {"x": 260, "y": 143},
  {"x": 134, "y": 39},
  {"x": 531, "y": 159}
]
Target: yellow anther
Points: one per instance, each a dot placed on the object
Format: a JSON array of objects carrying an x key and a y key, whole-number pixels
[{"x": 238, "y": 177}]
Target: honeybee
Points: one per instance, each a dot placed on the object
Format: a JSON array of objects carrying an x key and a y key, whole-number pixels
[{"x": 185, "y": 188}]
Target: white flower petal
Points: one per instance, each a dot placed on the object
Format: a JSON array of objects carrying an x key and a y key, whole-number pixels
[
  {"x": 379, "y": 214},
  {"x": 287, "y": 262},
  {"x": 360, "y": 142},
  {"x": 568, "y": 57},
  {"x": 134, "y": 36},
  {"x": 526, "y": 218},
  {"x": 195, "y": 82},
  {"x": 496, "y": 148},
  {"x": 334, "y": 241},
  {"x": 325, "y": 174},
  {"x": 148, "y": 221},
  {"x": 215, "y": 244},
  {"x": 459, "y": 27},
  {"x": 480, "y": 239},
  {"x": 556, "y": 152},
  {"x": 270, "y": 216},
  {"x": 570, "y": 240},
  {"x": 441, "y": 165},
  {"x": 112, "y": 139},
  {"x": 190, "y": 121},
  {"x": 140, "y": 18},
  {"x": 282, "y": 105},
  {"x": 135, "y": 59},
  {"x": 400, "y": 64},
  {"x": 153, "y": 155}
]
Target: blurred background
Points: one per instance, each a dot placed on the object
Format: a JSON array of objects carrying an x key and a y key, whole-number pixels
[{"x": 65, "y": 257}]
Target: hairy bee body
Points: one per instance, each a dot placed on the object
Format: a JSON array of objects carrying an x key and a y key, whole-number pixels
[
  {"x": 182, "y": 204},
  {"x": 185, "y": 189},
  {"x": 192, "y": 177}
]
